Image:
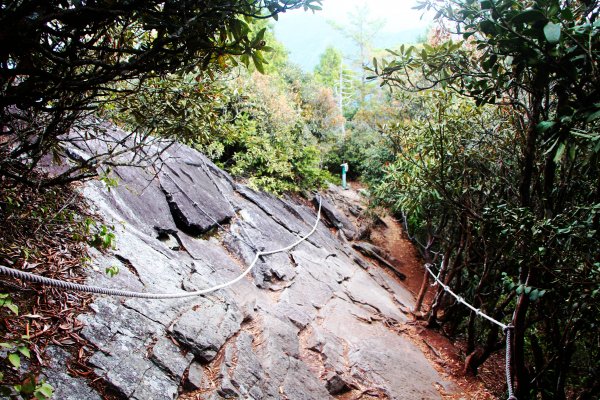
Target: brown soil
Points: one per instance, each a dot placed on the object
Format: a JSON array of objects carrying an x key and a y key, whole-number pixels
[
  {"x": 42, "y": 232},
  {"x": 445, "y": 355},
  {"x": 393, "y": 239}
]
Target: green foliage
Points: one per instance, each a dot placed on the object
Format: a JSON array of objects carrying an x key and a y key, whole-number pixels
[
  {"x": 98, "y": 47},
  {"x": 264, "y": 126},
  {"x": 269, "y": 142},
  {"x": 28, "y": 389},
  {"x": 112, "y": 271},
  {"x": 109, "y": 181},
  {"x": 14, "y": 348},
  {"x": 454, "y": 179},
  {"x": 327, "y": 72},
  {"x": 540, "y": 43},
  {"x": 97, "y": 234},
  {"x": 274, "y": 56},
  {"x": 510, "y": 195},
  {"x": 6, "y": 301},
  {"x": 440, "y": 156},
  {"x": 332, "y": 73},
  {"x": 362, "y": 148},
  {"x": 43, "y": 391},
  {"x": 186, "y": 107}
]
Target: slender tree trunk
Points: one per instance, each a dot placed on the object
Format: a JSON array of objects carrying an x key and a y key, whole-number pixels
[
  {"x": 562, "y": 366},
  {"x": 518, "y": 350},
  {"x": 422, "y": 293},
  {"x": 432, "y": 319},
  {"x": 471, "y": 334},
  {"x": 526, "y": 274},
  {"x": 492, "y": 344},
  {"x": 529, "y": 153},
  {"x": 540, "y": 365},
  {"x": 479, "y": 355},
  {"x": 425, "y": 283}
]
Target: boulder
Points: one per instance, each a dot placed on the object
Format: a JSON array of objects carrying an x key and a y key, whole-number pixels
[
  {"x": 204, "y": 329},
  {"x": 336, "y": 218},
  {"x": 195, "y": 378}
]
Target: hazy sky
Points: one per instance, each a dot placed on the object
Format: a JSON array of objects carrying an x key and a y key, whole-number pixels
[
  {"x": 398, "y": 14},
  {"x": 306, "y": 35}
]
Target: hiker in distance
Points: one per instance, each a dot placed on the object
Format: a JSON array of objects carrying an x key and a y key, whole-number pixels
[{"x": 345, "y": 170}]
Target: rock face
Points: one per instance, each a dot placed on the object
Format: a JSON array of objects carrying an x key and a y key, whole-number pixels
[{"x": 310, "y": 323}]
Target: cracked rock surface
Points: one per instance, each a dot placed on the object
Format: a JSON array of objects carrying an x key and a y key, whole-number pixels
[{"x": 305, "y": 324}]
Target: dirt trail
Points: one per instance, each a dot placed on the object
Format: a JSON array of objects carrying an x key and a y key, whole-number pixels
[
  {"x": 391, "y": 237},
  {"x": 445, "y": 355}
]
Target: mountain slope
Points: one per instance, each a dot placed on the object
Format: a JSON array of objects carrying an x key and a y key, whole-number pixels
[{"x": 313, "y": 323}]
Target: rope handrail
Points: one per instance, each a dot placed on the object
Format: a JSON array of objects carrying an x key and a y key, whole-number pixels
[
  {"x": 462, "y": 300},
  {"x": 60, "y": 284},
  {"x": 507, "y": 329}
]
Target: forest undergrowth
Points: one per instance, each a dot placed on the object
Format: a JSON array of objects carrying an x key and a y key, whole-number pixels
[{"x": 46, "y": 232}]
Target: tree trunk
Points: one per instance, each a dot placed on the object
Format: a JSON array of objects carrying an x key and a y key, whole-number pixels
[
  {"x": 540, "y": 365},
  {"x": 518, "y": 349},
  {"x": 471, "y": 333},
  {"x": 492, "y": 344},
  {"x": 425, "y": 283},
  {"x": 519, "y": 317},
  {"x": 432, "y": 318},
  {"x": 562, "y": 366},
  {"x": 422, "y": 293}
]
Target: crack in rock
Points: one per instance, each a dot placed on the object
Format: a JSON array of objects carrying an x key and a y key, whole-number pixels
[
  {"x": 254, "y": 199},
  {"x": 169, "y": 357},
  {"x": 129, "y": 265}
]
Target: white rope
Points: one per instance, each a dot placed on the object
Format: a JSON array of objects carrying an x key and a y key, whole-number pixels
[
  {"x": 461, "y": 300},
  {"x": 507, "y": 329},
  {"x": 508, "y": 363},
  {"x": 26, "y": 276}
]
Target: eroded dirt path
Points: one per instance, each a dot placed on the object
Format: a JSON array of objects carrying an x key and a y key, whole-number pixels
[
  {"x": 445, "y": 355},
  {"x": 391, "y": 237}
]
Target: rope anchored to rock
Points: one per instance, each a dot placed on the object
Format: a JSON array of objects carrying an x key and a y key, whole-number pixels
[
  {"x": 507, "y": 329},
  {"x": 60, "y": 284}
]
